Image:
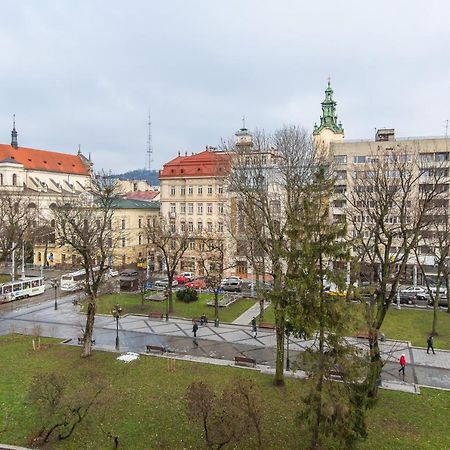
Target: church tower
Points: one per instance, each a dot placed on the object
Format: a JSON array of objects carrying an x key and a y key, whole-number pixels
[
  {"x": 14, "y": 143},
  {"x": 244, "y": 138},
  {"x": 329, "y": 130}
]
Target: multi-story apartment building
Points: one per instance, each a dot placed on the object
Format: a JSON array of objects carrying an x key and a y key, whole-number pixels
[
  {"x": 194, "y": 198},
  {"x": 350, "y": 158}
]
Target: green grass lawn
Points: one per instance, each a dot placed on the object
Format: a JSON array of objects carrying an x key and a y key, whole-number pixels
[
  {"x": 4, "y": 278},
  {"x": 132, "y": 304},
  {"x": 412, "y": 325},
  {"x": 143, "y": 403}
]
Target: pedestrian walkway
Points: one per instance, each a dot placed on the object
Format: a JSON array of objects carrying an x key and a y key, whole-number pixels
[
  {"x": 218, "y": 343},
  {"x": 247, "y": 316}
]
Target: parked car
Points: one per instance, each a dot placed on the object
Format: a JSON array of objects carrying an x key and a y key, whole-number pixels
[
  {"x": 185, "y": 277},
  {"x": 128, "y": 280},
  {"x": 231, "y": 284},
  {"x": 420, "y": 291},
  {"x": 198, "y": 283},
  {"x": 164, "y": 283},
  {"x": 408, "y": 298},
  {"x": 443, "y": 301}
]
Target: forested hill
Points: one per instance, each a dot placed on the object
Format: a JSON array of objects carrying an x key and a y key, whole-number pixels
[{"x": 141, "y": 174}]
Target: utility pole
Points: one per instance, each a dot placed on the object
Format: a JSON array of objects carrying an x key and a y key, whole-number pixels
[
  {"x": 23, "y": 260},
  {"x": 13, "y": 261}
]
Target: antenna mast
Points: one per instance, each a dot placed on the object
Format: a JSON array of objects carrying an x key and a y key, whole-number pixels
[{"x": 149, "y": 159}]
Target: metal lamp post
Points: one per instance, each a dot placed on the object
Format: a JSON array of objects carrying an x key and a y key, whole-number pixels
[
  {"x": 54, "y": 284},
  {"x": 116, "y": 312},
  {"x": 287, "y": 330}
]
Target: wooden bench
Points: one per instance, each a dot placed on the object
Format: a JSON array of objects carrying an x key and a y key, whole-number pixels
[
  {"x": 155, "y": 348},
  {"x": 244, "y": 361},
  {"x": 363, "y": 334},
  {"x": 156, "y": 315},
  {"x": 81, "y": 341},
  {"x": 337, "y": 372},
  {"x": 266, "y": 325}
]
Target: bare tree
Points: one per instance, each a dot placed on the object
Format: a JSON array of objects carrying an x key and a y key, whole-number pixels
[
  {"x": 172, "y": 245},
  {"x": 267, "y": 183},
  {"x": 85, "y": 224},
  {"x": 390, "y": 204}
]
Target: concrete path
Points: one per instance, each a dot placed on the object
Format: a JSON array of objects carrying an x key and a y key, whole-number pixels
[
  {"x": 221, "y": 343},
  {"x": 247, "y": 316}
]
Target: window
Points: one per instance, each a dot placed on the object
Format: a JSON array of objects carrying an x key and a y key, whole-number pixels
[
  {"x": 340, "y": 189},
  {"x": 52, "y": 223},
  {"x": 200, "y": 190},
  {"x": 199, "y": 227},
  {"x": 442, "y": 156},
  {"x": 172, "y": 190},
  {"x": 199, "y": 208},
  {"x": 183, "y": 208},
  {"x": 140, "y": 222},
  {"x": 339, "y": 203},
  {"x": 183, "y": 226},
  {"x": 173, "y": 207},
  {"x": 221, "y": 189},
  {"x": 190, "y": 226},
  {"x": 220, "y": 227},
  {"x": 359, "y": 159},
  {"x": 209, "y": 208},
  {"x": 190, "y": 190},
  {"x": 275, "y": 205},
  {"x": 183, "y": 190},
  {"x": 340, "y": 159},
  {"x": 341, "y": 174},
  {"x": 209, "y": 189},
  {"x": 210, "y": 226},
  {"x": 122, "y": 224},
  {"x": 140, "y": 239},
  {"x": 14, "y": 179},
  {"x": 124, "y": 242},
  {"x": 191, "y": 245},
  {"x": 220, "y": 208},
  {"x": 426, "y": 157},
  {"x": 173, "y": 228},
  {"x": 190, "y": 208}
]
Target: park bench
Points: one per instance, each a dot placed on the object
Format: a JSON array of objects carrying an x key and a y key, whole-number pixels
[
  {"x": 362, "y": 334},
  {"x": 266, "y": 325},
  {"x": 156, "y": 315},
  {"x": 81, "y": 341},
  {"x": 155, "y": 348},
  {"x": 244, "y": 361},
  {"x": 337, "y": 372}
]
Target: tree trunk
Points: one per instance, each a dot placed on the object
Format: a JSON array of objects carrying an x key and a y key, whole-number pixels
[
  {"x": 436, "y": 307},
  {"x": 170, "y": 298},
  {"x": 447, "y": 285},
  {"x": 89, "y": 330},
  {"x": 375, "y": 366},
  {"x": 279, "y": 324},
  {"x": 216, "y": 306}
]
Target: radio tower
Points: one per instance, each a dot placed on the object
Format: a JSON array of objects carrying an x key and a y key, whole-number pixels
[{"x": 149, "y": 160}]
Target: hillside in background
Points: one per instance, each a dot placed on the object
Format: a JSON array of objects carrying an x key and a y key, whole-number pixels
[{"x": 151, "y": 176}]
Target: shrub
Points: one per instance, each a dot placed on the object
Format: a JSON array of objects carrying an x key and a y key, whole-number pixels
[{"x": 187, "y": 295}]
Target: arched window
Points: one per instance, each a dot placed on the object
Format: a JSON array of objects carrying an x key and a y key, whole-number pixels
[
  {"x": 52, "y": 223},
  {"x": 14, "y": 179},
  {"x": 140, "y": 239}
]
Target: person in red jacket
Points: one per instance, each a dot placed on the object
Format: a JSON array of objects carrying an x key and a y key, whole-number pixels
[{"x": 402, "y": 365}]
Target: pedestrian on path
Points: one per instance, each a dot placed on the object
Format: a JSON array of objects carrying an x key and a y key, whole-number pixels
[
  {"x": 430, "y": 344},
  {"x": 194, "y": 329},
  {"x": 402, "y": 365},
  {"x": 254, "y": 327}
]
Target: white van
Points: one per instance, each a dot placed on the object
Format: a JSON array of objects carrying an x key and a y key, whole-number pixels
[{"x": 232, "y": 284}]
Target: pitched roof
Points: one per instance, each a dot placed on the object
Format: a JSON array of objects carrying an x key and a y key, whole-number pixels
[
  {"x": 207, "y": 163},
  {"x": 146, "y": 196},
  {"x": 123, "y": 203},
  {"x": 34, "y": 159}
]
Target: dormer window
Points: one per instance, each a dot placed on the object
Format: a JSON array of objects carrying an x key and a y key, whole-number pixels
[{"x": 14, "y": 179}]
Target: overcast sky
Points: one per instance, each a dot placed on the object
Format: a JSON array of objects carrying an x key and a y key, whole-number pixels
[{"x": 88, "y": 71}]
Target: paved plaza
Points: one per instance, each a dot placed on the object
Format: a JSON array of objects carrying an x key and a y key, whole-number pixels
[{"x": 212, "y": 344}]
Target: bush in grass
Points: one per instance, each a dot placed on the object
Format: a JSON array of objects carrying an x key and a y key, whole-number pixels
[{"x": 187, "y": 295}]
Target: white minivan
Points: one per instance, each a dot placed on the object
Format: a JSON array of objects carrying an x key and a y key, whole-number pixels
[{"x": 231, "y": 284}]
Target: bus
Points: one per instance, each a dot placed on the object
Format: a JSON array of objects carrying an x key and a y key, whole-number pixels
[
  {"x": 75, "y": 281},
  {"x": 21, "y": 288}
]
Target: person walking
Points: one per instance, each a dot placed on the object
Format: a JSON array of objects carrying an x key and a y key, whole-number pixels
[
  {"x": 195, "y": 328},
  {"x": 254, "y": 327},
  {"x": 402, "y": 365},
  {"x": 430, "y": 344}
]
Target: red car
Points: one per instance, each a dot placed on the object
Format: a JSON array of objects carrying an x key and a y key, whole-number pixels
[
  {"x": 185, "y": 277},
  {"x": 199, "y": 283}
]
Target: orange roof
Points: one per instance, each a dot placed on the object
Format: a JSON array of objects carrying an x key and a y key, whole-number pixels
[
  {"x": 207, "y": 163},
  {"x": 33, "y": 159},
  {"x": 142, "y": 195}
]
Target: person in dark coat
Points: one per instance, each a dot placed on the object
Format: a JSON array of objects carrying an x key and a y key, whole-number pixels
[
  {"x": 430, "y": 344},
  {"x": 254, "y": 327},
  {"x": 194, "y": 329}
]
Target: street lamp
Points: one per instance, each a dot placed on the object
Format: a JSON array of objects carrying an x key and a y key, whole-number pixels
[
  {"x": 54, "y": 284},
  {"x": 166, "y": 293},
  {"x": 116, "y": 312},
  {"x": 287, "y": 331}
]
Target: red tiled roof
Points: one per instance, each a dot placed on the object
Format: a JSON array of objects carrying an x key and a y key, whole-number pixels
[
  {"x": 147, "y": 196},
  {"x": 206, "y": 163},
  {"x": 34, "y": 159}
]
